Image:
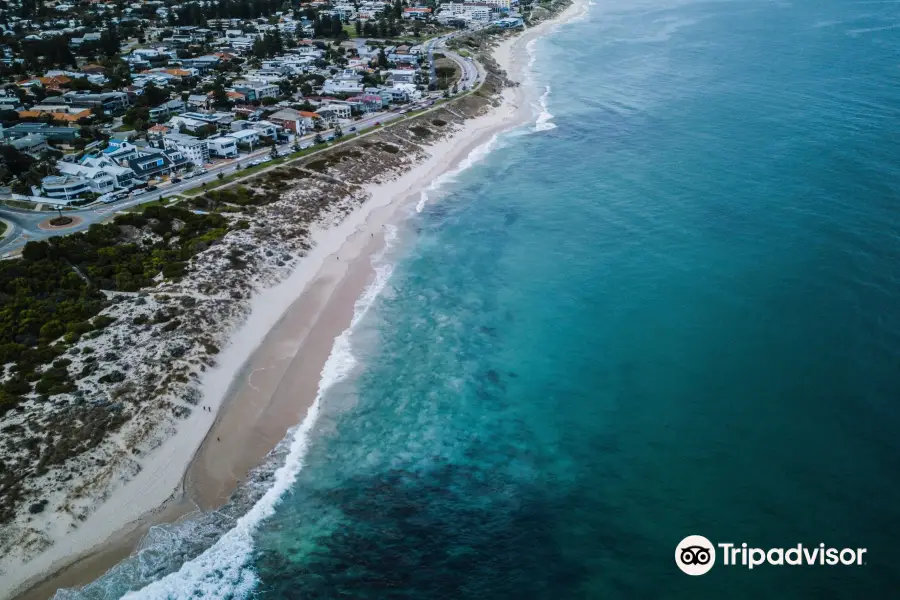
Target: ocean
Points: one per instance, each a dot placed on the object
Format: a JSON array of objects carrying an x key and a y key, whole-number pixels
[{"x": 669, "y": 305}]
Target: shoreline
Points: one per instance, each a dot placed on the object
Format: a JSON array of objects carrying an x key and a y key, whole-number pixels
[{"x": 257, "y": 396}]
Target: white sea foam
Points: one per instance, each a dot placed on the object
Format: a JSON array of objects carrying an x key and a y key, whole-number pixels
[
  {"x": 544, "y": 121},
  {"x": 223, "y": 569},
  {"x": 476, "y": 155}
]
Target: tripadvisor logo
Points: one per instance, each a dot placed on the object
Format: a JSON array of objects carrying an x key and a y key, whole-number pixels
[{"x": 696, "y": 555}]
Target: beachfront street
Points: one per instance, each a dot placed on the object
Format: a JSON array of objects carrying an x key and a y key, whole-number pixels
[{"x": 23, "y": 225}]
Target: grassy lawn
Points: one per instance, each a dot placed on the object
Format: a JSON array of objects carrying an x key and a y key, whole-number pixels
[
  {"x": 19, "y": 204},
  {"x": 2, "y": 227},
  {"x": 141, "y": 207}
]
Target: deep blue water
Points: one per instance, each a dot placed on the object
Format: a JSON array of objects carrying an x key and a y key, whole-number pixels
[{"x": 678, "y": 312}]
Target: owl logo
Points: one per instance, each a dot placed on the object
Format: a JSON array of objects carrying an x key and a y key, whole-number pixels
[{"x": 695, "y": 555}]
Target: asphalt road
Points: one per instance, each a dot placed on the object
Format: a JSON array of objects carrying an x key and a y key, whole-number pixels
[{"x": 24, "y": 224}]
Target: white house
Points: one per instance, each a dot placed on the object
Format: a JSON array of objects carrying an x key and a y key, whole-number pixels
[
  {"x": 249, "y": 137},
  {"x": 331, "y": 113},
  {"x": 224, "y": 146},
  {"x": 193, "y": 149}
]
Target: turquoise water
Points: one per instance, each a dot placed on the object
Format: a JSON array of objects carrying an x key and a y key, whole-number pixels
[{"x": 674, "y": 313}]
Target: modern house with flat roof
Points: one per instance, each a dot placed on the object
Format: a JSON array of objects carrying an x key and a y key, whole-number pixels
[
  {"x": 167, "y": 109},
  {"x": 56, "y": 133},
  {"x": 110, "y": 101},
  {"x": 155, "y": 163},
  {"x": 193, "y": 149},
  {"x": 333, "y": 112},
  {"x": 224, "y": 146}
]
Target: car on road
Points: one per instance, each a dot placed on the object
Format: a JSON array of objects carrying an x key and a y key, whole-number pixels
[
  {"x": 352, "y": 129},
  {"x": 151, "y": 188},
  {"x": 305, "y": 146},
  {"x": 377, "y": 123},
  {"x": 175, "y": 180}
]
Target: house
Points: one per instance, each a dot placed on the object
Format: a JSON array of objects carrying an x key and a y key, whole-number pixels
[
  {"x": 341, "y": 86},
  {"x": 103, "y": 173},
  {"x": 331, "y": 113},
  {"x": 265, "y": 128},
  {"x": 198, "y": 101},
  {"x": 155, "y": 163},
  {"x": 183, "y": 122},
  {"x": 109, "y": 101},
  {"x": 57, "y": 134},
  {"x": 418, "y": 12},
  {"x": 66, "y": 114},
  {"x": 202, "y": 63},
  {"x": 257, "y": 90},
  {"x": 401, "y": 76},
  {"x": 167, "y": 109},
  {"x": 297, "y": 121},
  {"x": 11, "y": 103},
  {"x": 246, "y": 137},
  {"x": 395, "y": 94},
  {"x": 32, "y": 144},
  {"x": 219, "y": 119},
  {"x": 368, "y": 102},
  {"x": 503, "y": 5},
  {"x": 193, "y": 149},
  {"x": 65, "y": 187},
  {"x": 224, "y": 146},
  {"x": 120, "y": 151},
  {"x": 509, "y": 23}
]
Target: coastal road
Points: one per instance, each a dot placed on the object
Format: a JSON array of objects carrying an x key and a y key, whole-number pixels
[{"x": 25, "y": 223}]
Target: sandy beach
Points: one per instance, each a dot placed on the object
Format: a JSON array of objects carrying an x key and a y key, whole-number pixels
[{"x": 268, "y": 377}]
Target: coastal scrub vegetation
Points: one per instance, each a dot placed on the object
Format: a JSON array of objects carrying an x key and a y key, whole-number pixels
[{"x": 52, "y": 297}]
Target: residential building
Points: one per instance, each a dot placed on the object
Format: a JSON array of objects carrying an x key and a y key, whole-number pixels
[
  {"x": 103, "y": 174},
  {"x": 202, "y": 63},
  {"x": 298, "y": 121},
  {"x": 167, "y": 109},
  {"x": 256, "y": 90},
  {"x": 55, "y": 133},
  {"x": 65, "y": 186},
  {"x": 341, "y": 86},
  {"x": 66, "y": 115},
  {"x": 246, "y": 137},
  {"x": 110, "y": 101},
  {"x": 331, "y": 113},
  {"x": 120, "y": 151},
  {"x": 224, "y": 146},
  {"x": 193, "y": 149},
  {"x": 10, "y": 103},
  {"x": 198, "y": 101},
  {"x": 418, "y": 12},
  {"x": 32, "y": 144},
  {"x": 155, "y": 163},
  {"x": 368, "y": 102},
  {"x": 402, "y": 76}
]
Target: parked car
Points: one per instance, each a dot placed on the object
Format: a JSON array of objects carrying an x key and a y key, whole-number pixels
[
  {"x": 175, "y": 180},
  {"x": 150, "y": 188}
]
